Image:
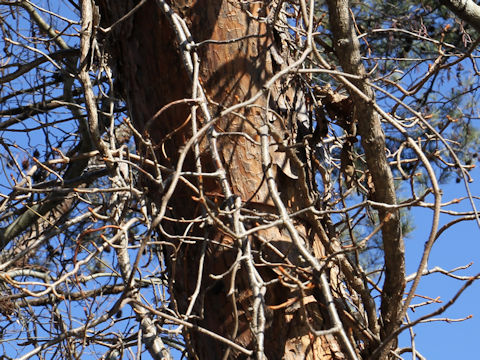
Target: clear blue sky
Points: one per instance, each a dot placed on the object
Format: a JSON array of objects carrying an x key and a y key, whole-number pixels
[{"x": 457, "y": 246}]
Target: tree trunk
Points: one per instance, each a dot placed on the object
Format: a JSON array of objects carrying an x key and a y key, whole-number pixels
[{"x": 147, "y": 59}]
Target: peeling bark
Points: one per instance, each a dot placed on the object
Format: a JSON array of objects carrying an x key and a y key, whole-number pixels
[{"x": 148, "y": 65}]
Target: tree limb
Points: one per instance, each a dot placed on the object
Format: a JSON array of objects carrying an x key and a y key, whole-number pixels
[
  {"x": 346, "y": 46},
  {"x": 466, "y": 10}
]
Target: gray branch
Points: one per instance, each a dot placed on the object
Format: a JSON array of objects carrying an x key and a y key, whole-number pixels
[
  {"x": 466, "y": 10},
  {"x": 347, "y": 49}
]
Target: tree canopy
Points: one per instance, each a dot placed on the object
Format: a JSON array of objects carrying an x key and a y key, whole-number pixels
[{"x": 229, "y": 179}]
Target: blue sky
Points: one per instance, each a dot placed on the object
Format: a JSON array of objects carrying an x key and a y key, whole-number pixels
[{"x": 458, "y": 246}]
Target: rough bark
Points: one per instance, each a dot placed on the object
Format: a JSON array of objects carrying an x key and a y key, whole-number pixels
[{"x": 149, "y": 69}]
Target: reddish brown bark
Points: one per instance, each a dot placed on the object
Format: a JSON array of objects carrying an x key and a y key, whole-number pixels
[{"x": 147, "y": 63}]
